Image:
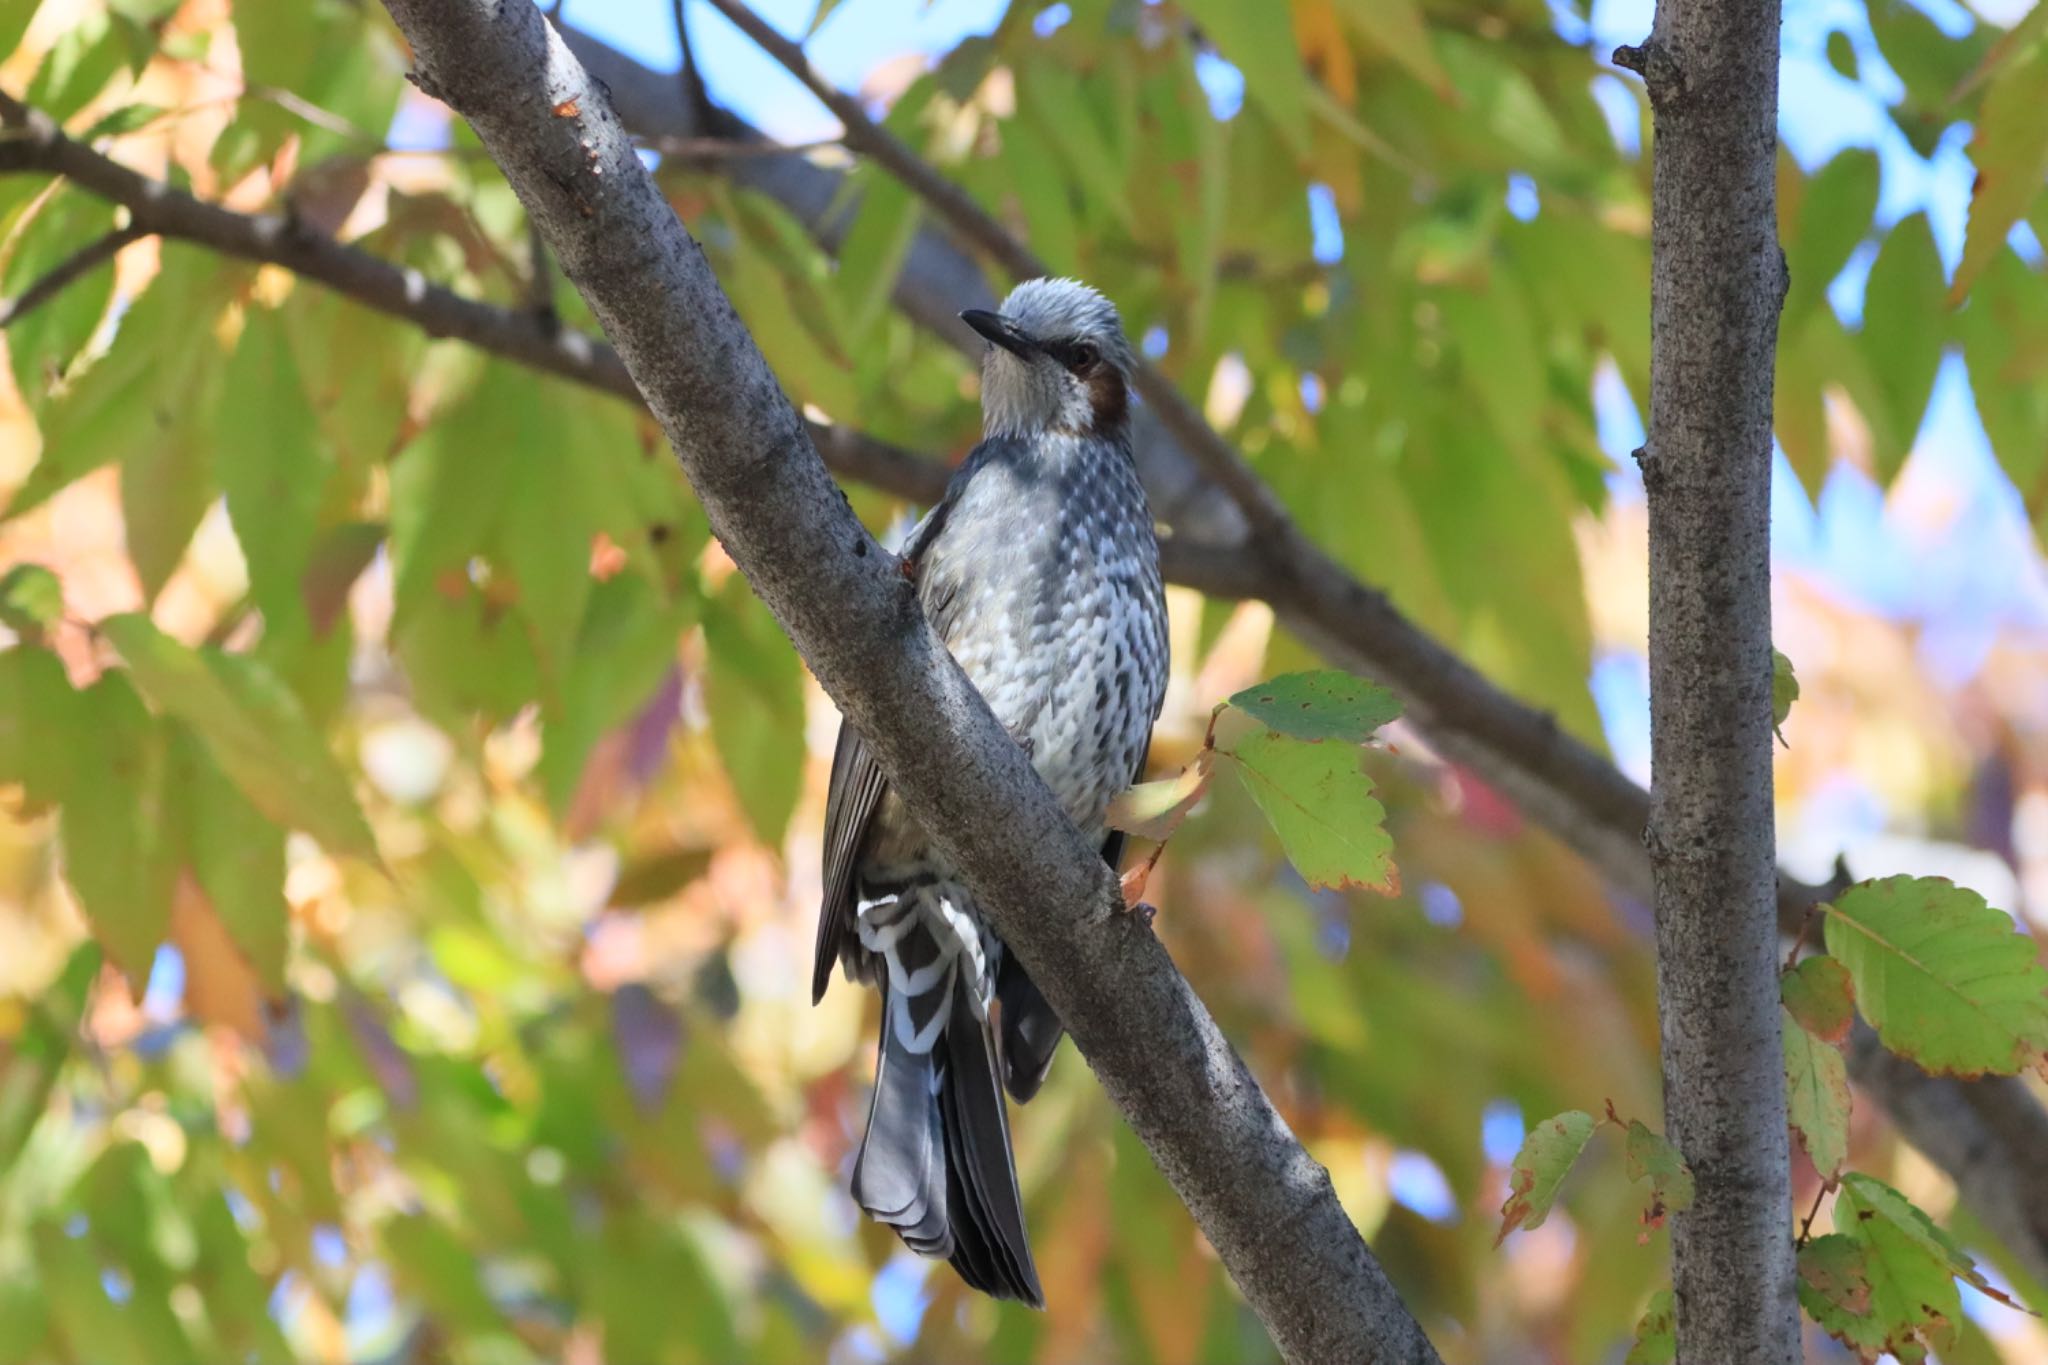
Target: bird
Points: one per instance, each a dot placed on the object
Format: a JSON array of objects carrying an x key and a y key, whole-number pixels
[{"x": 1039, "y": 570}]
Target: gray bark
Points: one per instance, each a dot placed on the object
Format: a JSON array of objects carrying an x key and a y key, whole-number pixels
[
  {"x": 1265, "y": 1205},
  {"x": 1716, "y": 285}
]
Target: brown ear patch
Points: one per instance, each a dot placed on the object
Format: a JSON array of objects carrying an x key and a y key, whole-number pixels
[{"x": 1107, "y": 395}]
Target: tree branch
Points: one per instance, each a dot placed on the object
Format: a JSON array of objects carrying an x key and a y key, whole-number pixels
[
  {"x": 1265, "y": 1205},
  {"x": 521, "y": 335},
  {"x": 80, "y": 262},
  {"x": 1707, "y": 473}
]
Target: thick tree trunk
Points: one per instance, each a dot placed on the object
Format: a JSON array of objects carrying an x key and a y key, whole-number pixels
[{"x": 1717, "y": 281}]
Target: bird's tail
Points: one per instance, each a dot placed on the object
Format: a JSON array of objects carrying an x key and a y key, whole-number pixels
[{"x": 936, "y": 1164}]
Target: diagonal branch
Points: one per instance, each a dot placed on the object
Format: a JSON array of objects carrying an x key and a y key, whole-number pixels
[
  {"x": 1268, "y": 1209},
  {"x": 1563, "y": 783}
]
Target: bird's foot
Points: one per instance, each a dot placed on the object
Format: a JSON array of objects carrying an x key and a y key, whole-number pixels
[{"x": 907, "y": 566}]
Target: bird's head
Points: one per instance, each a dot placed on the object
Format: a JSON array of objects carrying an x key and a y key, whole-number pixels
[{"x": 1057, "y": 361}]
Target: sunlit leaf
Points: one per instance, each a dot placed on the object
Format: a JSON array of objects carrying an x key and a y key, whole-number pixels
[
  {"x": 755, "y": 694},
  {"x": 1817, "y": 1083},
  {"x": 1942, "y": 976},
  {"x": 31, "y": 600},
  {"x": 1784, "y": 691},
  {"x": 1396, "y": 27},
  {"x": 121, "y": 840},
  {"x": 1547, "y": 1155},
  {"x": 253, "y": 728},
  {"x": 1656, "y": 1340},
  {"x": 1154, "y": 810},
  {"x": 271, "y": 464},
  {"x": 2010, "y": 151},
  {"x": 1321, "y": 804},
  {"x": 1322, "y": 705},
  {"x": 1905, "y": 323}
]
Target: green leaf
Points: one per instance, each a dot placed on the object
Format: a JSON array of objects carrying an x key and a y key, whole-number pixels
[
  {"x": 1321, "y": 804},
  {"x": 2010, "y": 151},
  {"x": 37, "y": 1053},
  {"x": 1818, "y": 992},
  {"x": 1842, "y": 55},
  {"x": 1264, "y": 49},
  {"x": 1817, "y": 1085},
  {"x": 120, "y": 839},
  {"x": 2031, "y": 29},
  {"x": 1396, "y": 28},
  {"x": 142, "y": 386},
  {"x": 39, "y": 715},
  {"x": 271, "y": 466},
  {"x": 42, "y": 345},
  {"x": 1540, "y": 1168},
  {"x": 819, "y": 16},
  {"x": 31, "y": 600},
  {"x": 1324, "y": 704},
  {"x": 1941, "y": 975},
  {"x": 1656, "y": 1333},
  {"x": 1835, "y": 214},
  {"x": 1784, "y": 691},
  {"x": 1905, "y": 325},
  {"x": 253, "y": 727},
  {"x": 238, "y": 858},
  {"x": 754, "y": 690},
  {"x": 1885, "y": 1282},
  {"x": 1154, "y": 810},
  {"x": 1834, "y": 1289},
  {"x": 1651, "y": 1157}
]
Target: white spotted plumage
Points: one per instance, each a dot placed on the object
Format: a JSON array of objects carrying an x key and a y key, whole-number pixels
[{"x": 1040, "y": 571}]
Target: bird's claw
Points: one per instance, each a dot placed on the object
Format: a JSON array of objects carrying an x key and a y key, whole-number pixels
[{"x": 907, "y": 566}]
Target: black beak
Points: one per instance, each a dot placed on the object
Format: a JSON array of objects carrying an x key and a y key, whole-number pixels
[{"x": 998, "y": 330}]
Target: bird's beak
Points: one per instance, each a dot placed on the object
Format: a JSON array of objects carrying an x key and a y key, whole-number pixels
[{"x": 998, "y": 330}]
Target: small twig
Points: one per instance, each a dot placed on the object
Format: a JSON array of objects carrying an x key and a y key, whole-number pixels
[
  {"x": 696, "y": 96},
  {"x": 80, "y": 262},
  {"x": 1814, "y": 1212},
  {"x": 1277, "y": 541},
  {"x": 730, "y": 149},
  {"x": 1799, "y": 940},
  {"x": 540, "y": 279}
]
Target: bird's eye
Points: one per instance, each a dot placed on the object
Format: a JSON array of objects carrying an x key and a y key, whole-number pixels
[{"x": 1085, "y": 356}]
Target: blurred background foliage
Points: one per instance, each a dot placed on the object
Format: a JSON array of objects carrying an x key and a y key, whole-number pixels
[{"x": 403, "y": 926}]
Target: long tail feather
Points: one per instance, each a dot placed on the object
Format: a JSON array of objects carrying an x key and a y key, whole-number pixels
[{"x": 935, "y": 1163}]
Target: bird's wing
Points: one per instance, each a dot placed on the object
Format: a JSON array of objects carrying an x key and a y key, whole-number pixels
[
  {"x": 857, "y": 785},
  {"x": 850, "y": 801}
]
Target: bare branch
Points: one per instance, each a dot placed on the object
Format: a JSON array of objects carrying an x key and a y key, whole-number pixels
[
  {"x": 79, "y": 263},
  {"x": 1268, "y": 1209},
  {"x": 37, "y": 144}
]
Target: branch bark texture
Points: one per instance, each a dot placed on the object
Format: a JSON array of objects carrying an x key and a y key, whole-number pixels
[
  {"x": 1265, "y": 1205},
  {"x": 1715, "y": 290}
]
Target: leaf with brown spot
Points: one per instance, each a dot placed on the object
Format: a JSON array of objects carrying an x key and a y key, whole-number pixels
[{"x": 1540, "y": 1167}]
